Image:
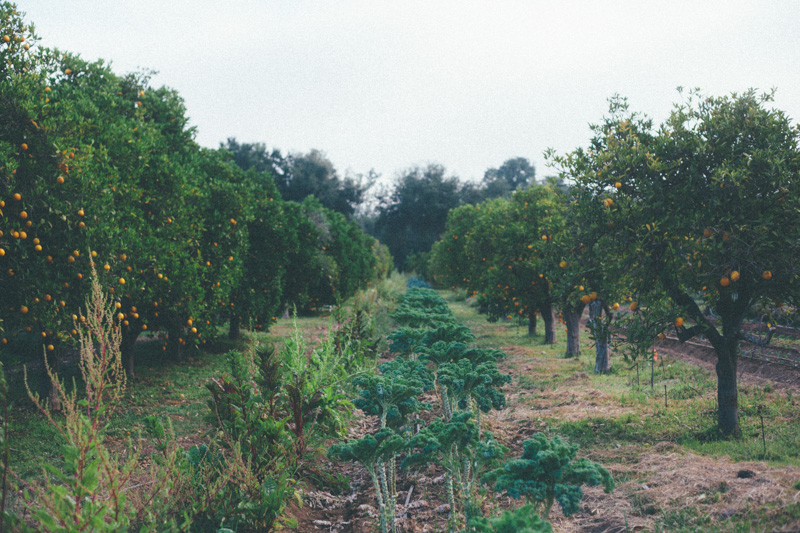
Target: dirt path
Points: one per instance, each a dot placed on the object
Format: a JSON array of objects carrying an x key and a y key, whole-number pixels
[{"x": 750, "y": 370}]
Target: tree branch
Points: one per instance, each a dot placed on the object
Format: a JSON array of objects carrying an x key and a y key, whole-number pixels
[
  {"x": 703, "y": 325},
  {"x": 758, "y": 341}
]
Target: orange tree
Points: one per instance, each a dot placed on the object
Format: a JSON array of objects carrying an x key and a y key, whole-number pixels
[
  {"x": 704, "y": 210},
  {"x": 575, "y": 263},
  {"x": 257, "y": 296},
  {"x": 94, "y": 167},
  {"x": 329, "y": 256},
  {"x": 497, "y": 248}
]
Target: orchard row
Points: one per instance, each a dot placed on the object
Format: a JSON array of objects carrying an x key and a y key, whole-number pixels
[
  {"x": 695, "y": 225},
  {"x": 101, "y": 172}
]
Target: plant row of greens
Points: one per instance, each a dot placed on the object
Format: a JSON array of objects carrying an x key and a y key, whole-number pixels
[
  {"x": 101, "y": 171},
  {"x": 268, "y": 418},
  {"x": 694, "y": 224},
  {"x": 436, "y": 361}
]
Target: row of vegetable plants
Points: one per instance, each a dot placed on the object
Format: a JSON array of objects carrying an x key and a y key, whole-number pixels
[{"x": 440, "y": 374}]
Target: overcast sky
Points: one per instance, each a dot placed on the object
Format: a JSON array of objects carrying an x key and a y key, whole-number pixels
[{"x": 468, "y": 84}]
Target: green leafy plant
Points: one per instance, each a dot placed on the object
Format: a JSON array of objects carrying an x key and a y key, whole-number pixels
[
  {"x": 524, "y": 519},
  {"x": 455, "y": 444},
  {"x": 373, "y": 451},
  {"x": 547, "y": 473}
]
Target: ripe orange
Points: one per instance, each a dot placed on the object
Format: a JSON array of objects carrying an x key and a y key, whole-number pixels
[
  {"x": 24, "y": 146},
  {"x": 678, "y": 322},
  {"x": 593, "y": 296},
  {"x": 60, "y": 180},
  {"x": 120, "y": 316},
  {"x": 618, "y": 185},
  {"x": 38, "y": 247},
  {"x": 23, "y": 214},
  {"x": 767, "y": 275},
  {"x": 50, "y": 348},
  {"x": 615, "y": 306},
  {"x": 80, "y": 212},
  {"x": 23, "y": 309},
  {"x": 2, "y": 252},
  {"x": 585, "y": 299},
  {"x": 707, "y": 233},
  {"x": 123, "y": 257},
  {"x": 36, "y": 241},
  {"x": 544, "y": 237},
  {"x": 70, "y": 259},
  {"x": 734, "y": 276},
  {"x": 724, "y": 281},
  {"x": 68, "y": 71},
  {"x": 563, "y": 264},
  {"x": 634, "y": 305},
  {"x": 17, "y": 196},
  {"x": 6, "y": 39},
  {"x": 81, "y": 224},
  {"x": 76, "y": 253},
  {"x": 23, "y": 235},
  {"x": 122, "y": 281}
]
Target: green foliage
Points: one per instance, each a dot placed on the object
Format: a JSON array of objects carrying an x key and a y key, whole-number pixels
[
  {"x": 479, "y": 382},
  {"x": 107, "y": 171},
  {"x": 547, "y": 472},
  {"x": 694, "y": 201},
  {"x": 392, "y": 396},
  {"x": 524, "y": 519},
  {"x": 373, "y": 451}
]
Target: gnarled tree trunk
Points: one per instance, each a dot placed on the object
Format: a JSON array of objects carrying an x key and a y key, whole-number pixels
[
  {"x": 572, "y": 316},
  {"x": 602, "y": 360},
  {"x": 127, "y": 346},
  {"x": 549, "y": 323},
  {"x": 234, "y": 332},
  {"x": 532, "y": 324},
  {"x": 727, "y": 390}
]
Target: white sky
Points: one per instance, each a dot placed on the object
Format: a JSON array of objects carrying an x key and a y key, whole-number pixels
[{"x": 468, "y": 84}]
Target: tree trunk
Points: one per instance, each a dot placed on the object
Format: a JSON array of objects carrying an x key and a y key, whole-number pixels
[
  {"x": 532, "y": 324},
  {"x": 727, "y": 389},
  {"x": 175, "y": 347},
  {"x": 549, "y": 323},
  {"x": 52, "y": 360},
  {"x": 572, "y": 316},
  {"x": 127, "y": 346},
  {"x": 234, "y": 332},
  {"x": 602, "y": 360}
]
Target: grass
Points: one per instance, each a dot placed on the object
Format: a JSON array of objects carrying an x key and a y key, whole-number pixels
[
  {"x": 564, "y": 396},
  {"x": 170, "y": 389},
  {"x": 689, "y": 419}
]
